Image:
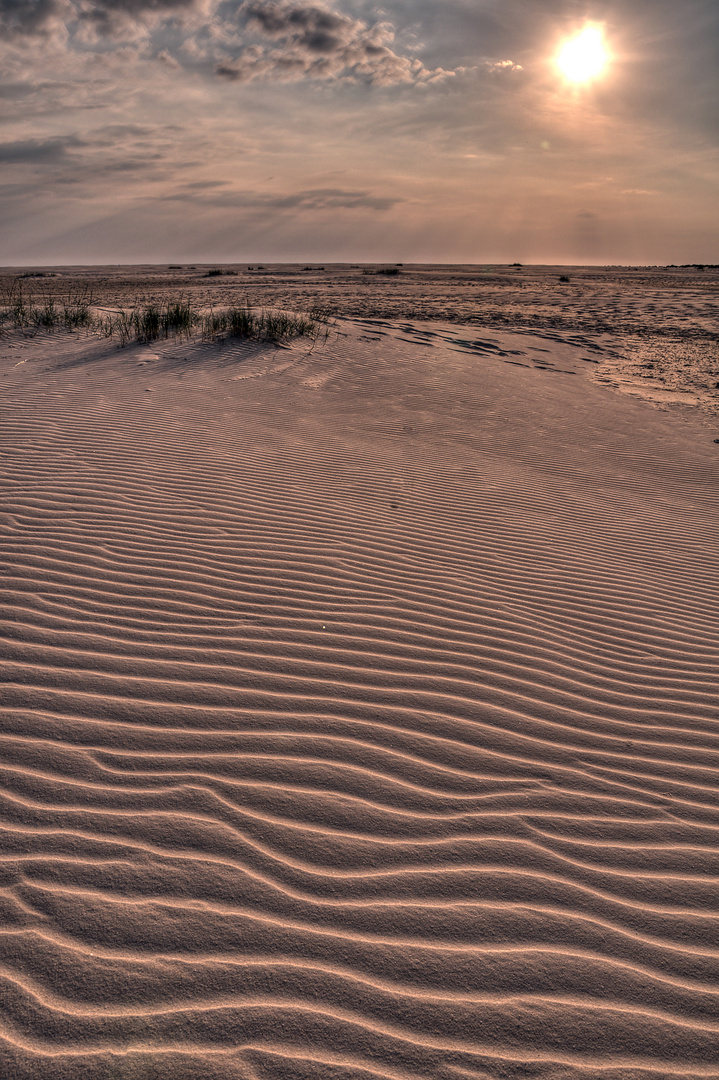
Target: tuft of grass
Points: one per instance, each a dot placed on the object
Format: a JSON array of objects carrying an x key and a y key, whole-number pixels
[
  {"x": 275, "y": 326},
  {"x": 48, "y": 315},
  {"x": 77, "y": 310},
  {"x": 241, "y": 323},
  {"x": 16, "y": 310},
  {"x": 151, "y": 322}
]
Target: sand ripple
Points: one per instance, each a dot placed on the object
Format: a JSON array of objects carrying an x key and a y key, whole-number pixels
[{"x": 359, "y": 717}]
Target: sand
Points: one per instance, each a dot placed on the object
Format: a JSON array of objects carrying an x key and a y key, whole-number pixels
[
  {"x": 360, "y": 710},
  {"x": 655, "y": 330}
]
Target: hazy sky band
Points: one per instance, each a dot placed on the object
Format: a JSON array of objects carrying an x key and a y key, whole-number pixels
[{"x": 146, "y": 130}]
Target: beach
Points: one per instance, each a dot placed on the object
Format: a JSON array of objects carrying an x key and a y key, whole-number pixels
[{"x": 361, "y": 691}]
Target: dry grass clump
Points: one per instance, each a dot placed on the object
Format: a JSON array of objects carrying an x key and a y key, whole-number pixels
[{"x": 150, "y": 321}]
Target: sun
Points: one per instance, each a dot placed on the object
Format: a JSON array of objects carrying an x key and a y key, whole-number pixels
[{"x": 583, "y": 57}]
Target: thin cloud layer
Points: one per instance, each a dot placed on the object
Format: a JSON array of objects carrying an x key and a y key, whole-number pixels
[{"x": 316, "y": 200}]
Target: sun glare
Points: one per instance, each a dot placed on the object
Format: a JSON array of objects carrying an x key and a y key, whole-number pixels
[{"x": 584, "y": 57}]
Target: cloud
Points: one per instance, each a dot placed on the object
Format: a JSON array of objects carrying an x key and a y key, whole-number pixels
[
  {"x": 205, "y": 185},
  {"x": 317, "y": 29},
  {"x": 29, "y": 18},
  {"x": 236, "y": 40},
  {"x": 503, "y": 65},
  {"x": 108, "y": 17},
  {"x": 140, "y": 7},
  {"x": 313, "y": 199},
  {"x": 38, "y": 151},
  {"x": 331, "y": 199},
  {"x": 307, "y": 41},
  {"x": 43, "y": 18}
]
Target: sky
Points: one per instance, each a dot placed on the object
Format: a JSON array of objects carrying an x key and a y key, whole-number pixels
[{"x": 348, "y": 131}]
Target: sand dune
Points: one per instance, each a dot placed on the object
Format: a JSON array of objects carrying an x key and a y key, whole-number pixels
[{"x": 359, "y": 713}]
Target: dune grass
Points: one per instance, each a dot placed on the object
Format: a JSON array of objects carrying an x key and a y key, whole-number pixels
[{"x": 148, "y": 321}]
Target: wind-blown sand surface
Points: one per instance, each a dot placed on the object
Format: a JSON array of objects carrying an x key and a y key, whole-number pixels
[
  {"x": 360, "y": 713},
  {"x": 655, "y": 330}
]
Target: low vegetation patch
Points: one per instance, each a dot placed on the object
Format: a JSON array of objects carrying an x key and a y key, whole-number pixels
[
  {"x": 150, "y": 321},
  {"x": 263, "y": 325},
  {"x": 21, "y": 311}
]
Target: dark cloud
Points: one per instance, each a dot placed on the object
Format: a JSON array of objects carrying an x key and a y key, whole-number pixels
[
  {"x": 312, "y": 28},
  {"x": 38, "y": 151},
  {"x": 331, "y": 199},
  {"x": 313, "y": 199},
  {"x": 310, "y": 41},
  {"x": 120, "y": 131},
  {"x": 108, "y": 18},
  {"x": 205, "y": 185},
  {"x": 139, "y": 7},
  {"x": 29, "y": 17},
  {"x": 15, "y": 91},
  {"x": 40, "y": 17}
]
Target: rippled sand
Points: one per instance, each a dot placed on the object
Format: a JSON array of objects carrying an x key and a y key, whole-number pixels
[{"x": 360, "y": 710}]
